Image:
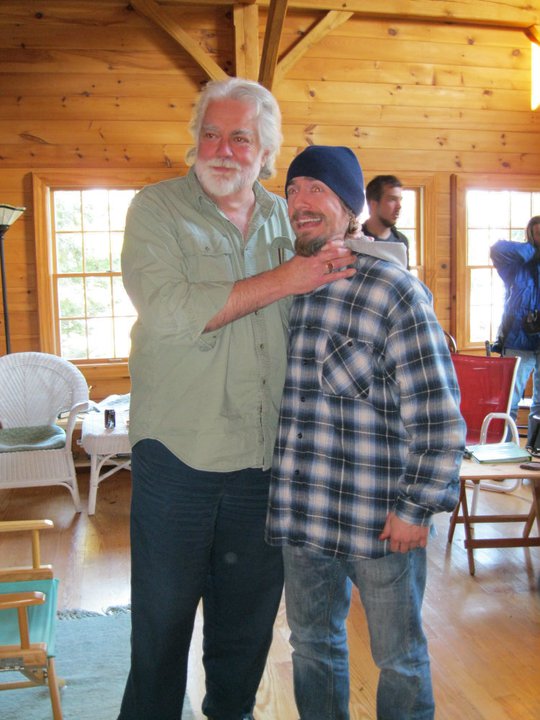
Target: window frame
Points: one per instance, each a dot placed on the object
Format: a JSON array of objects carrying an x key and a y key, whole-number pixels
[{"x": 461, "y": 290}]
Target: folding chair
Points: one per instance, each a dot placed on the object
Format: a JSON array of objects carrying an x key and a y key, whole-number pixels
[
  {"x": 28, "y": 619},
  {"x": 487, "y": 385}
]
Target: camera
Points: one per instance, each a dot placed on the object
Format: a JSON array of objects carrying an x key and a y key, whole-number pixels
[{"x": 531, "y": 322}]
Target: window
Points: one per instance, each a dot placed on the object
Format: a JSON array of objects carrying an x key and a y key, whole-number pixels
[
  {"x": 92, "y": 311},
  {"x": 487, "y": 210},
  {"x": 85, "y": 314}
]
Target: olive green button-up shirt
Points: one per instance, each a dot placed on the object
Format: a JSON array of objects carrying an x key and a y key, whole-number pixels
[{"x": 211, "y": 398}]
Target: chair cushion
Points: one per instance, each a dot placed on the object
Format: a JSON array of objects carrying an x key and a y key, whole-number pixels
[
  {"x": 38, "y": 437},
  {"x": 41, "y": 618}
]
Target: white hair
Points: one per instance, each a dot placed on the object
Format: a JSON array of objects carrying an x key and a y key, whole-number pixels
[{"x": 248, "y": 91}]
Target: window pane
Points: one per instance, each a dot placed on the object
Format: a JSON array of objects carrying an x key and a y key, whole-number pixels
[
  {"x": 100, "y": 338},
  {"x": 117, "y": 240},
  {"x": 98, "y": 296},
  {"x": 521, "y": 209},
  {"x": 67, "y": 210},
  {"x": 73, "y": 339},
  {"x": 71, "y": 297},
  {"x": 69, "y": 253},
  {"x": 119, "y": 201},
  {"x": 95, "y": 209},
  {"x": 121, "y": 302},
  {"x": 481, "y": 294},
  {"x": 97, "y": 252},
  {"x": 478, "y": 247},
  {"x": 407, "y": 216}
]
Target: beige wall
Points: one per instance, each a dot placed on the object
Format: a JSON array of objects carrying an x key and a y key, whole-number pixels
[{"x": 93, "y": 84}]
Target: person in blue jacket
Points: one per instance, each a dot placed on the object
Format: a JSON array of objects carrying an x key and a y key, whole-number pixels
[{"x": 518, "y": 265}]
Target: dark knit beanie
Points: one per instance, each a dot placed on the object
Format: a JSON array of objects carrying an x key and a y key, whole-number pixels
[{"x": 336, "y": 167}]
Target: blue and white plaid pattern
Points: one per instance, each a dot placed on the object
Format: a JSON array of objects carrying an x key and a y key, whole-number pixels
[{"x": 370, "y": 417}]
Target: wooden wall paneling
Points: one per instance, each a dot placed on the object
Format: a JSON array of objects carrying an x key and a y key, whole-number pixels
[
  {"x": 440, "y": 161},
  {"x": 303, "y": 110},
  {"x": 376, "y": 136},
  {"x": 417, "y": 96}
]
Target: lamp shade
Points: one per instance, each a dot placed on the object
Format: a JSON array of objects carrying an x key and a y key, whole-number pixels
[{"x": 9, "y": 213}]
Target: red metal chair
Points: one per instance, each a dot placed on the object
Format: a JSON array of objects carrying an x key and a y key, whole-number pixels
[{"x": 487, "y": 385}]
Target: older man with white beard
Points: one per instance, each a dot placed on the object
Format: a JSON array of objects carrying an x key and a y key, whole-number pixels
[{"x": 204, "y": 262}]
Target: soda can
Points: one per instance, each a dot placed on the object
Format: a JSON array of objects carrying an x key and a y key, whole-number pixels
[{"x": 110, "y": 419}]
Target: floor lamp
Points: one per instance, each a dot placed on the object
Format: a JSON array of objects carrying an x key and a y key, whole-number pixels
[{"x": 8, "y": 215}]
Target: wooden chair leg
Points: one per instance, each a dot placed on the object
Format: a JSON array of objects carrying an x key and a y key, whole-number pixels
[
  {"x": 455, "y": 514},
  {"x": 54, "y": 690},
  {"x": 530, "y": 521},
  {"x": 467, "y": 527}
]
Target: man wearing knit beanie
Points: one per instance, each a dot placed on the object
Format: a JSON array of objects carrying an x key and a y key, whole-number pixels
[{"x": 369, "y": 446}]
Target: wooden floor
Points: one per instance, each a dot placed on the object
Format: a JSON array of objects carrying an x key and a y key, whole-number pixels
[{"x": 484, "y": 631}]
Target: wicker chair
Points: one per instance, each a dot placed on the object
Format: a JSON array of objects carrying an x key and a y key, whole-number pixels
[{"x": 35, "y": 388}]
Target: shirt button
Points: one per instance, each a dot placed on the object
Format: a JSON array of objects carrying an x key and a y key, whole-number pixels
[
  {"x": 300, "y": 436},
  {"x": 302, "y": 399},
  {"x": 261, "y": 346},
  {"x": 297, "y": 472}
]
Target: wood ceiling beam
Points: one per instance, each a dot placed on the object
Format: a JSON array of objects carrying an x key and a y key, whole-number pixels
[
  {"x": 331, "y": 21},
  {"x": 533, "y": 33},
  {"x": 495, "y": 13},
  {"x": 156, "y": 13},
  {"x": 246, "y": 40},
  {"x": 272, "y": 36}
]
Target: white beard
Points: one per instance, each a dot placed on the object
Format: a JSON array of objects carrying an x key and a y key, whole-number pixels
[{"x": 218, "y": 186}]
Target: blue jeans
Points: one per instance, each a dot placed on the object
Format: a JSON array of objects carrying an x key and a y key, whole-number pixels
[
  {"x": 530, "y": 363},
  {"x": 198, "y": 535},
  {"x": 318, "y": 594}
]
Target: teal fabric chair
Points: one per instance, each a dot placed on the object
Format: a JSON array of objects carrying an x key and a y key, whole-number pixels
[{"x": 28, "y": 601}]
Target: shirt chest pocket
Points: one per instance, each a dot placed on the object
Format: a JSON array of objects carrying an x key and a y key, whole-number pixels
[
  {"x": 210, "y": 260},
  {"x": 346, "y": 367}
]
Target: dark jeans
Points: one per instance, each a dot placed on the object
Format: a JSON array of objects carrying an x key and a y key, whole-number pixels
[{"x": 198, "y": 534}]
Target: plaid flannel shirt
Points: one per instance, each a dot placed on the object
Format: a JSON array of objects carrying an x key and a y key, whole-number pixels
[{"x": 370, "y": 419}]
